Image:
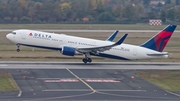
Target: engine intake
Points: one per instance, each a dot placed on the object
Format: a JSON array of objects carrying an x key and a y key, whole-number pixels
[{"x": 70, "y": 51}]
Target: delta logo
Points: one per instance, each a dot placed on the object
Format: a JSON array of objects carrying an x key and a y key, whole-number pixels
[
  {"x": 37, "y": 35},
  {"x": 30, "y": 34}
]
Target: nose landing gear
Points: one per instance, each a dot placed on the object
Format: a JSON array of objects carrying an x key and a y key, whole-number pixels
[{"x": 18, "y": 50}]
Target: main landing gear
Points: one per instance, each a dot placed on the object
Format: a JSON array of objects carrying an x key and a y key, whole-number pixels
[
  {"x": 87, "y": 59},
  {"x": 18, "y": 50}
]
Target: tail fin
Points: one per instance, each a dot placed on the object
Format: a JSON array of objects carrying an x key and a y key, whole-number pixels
[{"x": 159, "y": 41}]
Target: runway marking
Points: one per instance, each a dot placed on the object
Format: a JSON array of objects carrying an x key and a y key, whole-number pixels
[
  {"x": 3, "y": 65},
  {"x": 59, "y": 90},
  {"x": 173, "y": 93},
  {"x": 62, "y": 80},
  {"x": 53, "y": 78},
  {"x": 20, "y": 93},
  {"x": 62, "y": 97},
  {"x": 81, "y": 80},
  {"x": 121, "y": 90},
  {"x": 111, "y": 94},
  {"x": 101, "y": 80},
  {"x": 108, "y": 90}
]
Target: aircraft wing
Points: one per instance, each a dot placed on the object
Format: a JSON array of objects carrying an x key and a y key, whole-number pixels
[
  {"x": 111, "y": 38},
  {"x": 101, "y": 48}
]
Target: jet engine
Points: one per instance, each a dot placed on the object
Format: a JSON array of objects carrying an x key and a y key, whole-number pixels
[{"x": 70, "y": 51}]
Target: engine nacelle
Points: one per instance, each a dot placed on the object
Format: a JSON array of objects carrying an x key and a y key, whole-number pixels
[{"x": 70, "y": 51}]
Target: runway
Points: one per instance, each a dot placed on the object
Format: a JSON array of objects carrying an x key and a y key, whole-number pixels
[
  {"x": 47, "y": 81},
  {"x": 94, "y": 65}
]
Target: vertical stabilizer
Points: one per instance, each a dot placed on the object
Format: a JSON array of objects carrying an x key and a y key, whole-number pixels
[{"x": 159, "y": 41}]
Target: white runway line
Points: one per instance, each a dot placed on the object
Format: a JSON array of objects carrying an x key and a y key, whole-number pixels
[
  {"x": 62, "y": 90},
  {"x": 81, "y": 80},
  {"x": 94, "y": 65},
  {"x": 173, "y": 93},
  {"x": 120, "y": 90},
  {"x": 20, "y": 93},
  {"x": 3, "y": 65},
  {"x": 106, "y": 90}
]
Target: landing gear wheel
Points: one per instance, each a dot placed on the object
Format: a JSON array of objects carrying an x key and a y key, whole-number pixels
[
  {"x": 84, "y": 60},
  {"x": 18, "y": 50},
  {"x": 89, "y": 60}
]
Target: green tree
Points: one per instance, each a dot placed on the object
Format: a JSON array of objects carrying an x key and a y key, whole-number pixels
[
  {"x": 25, "y": 19},
  {"x": 106, "y": 16},
  {"x": 171, "y": 14},
  {"x": 146, "y": 2},
  {"x": 152, "y": 15},
  {"x": 163, "y": 16},
  {"x": 177, "y": 14},
  {"x": 65, "y": 11},
  {"x": 130, "y": 12},
  {"x": 15, "y": 20},
  {"x": 168, "y": 1},
  {"x": 7, "y": 19},
  {"x": 117, "y": 11},
  {"x": 177, "y": 2}
]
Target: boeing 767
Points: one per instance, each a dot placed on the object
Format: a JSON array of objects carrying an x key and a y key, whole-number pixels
[{"x": 72, "y": 45}]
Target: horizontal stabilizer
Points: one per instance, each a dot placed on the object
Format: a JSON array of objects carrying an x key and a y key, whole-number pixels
[{"x": 158, "y": 54}]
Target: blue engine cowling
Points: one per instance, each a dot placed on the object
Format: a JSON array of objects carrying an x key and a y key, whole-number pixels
[{"x": 70, "y": 51}]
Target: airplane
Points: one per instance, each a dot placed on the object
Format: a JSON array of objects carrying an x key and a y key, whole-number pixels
[{"x": 73, "y": 45}]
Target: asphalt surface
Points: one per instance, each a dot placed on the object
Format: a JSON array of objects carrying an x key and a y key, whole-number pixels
[
  {"x": 73, "y": 84},
  {"x": 94, "y": 65}
]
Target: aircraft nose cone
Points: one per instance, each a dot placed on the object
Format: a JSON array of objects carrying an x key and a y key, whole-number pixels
[{"x": 7, "y": 36}]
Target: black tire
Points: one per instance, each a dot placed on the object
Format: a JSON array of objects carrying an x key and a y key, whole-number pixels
[
  {"x": 89, "y": 60},
  {"x": 18, "y": 50},
  {"x": 84, "y": 60}
]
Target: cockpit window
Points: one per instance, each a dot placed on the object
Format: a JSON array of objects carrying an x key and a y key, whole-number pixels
[{"x": 14, "y": 33}]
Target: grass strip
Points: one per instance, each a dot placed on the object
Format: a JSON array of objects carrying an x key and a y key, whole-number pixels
[
  {"x": 6, "y": 82},
  {"x": 167, "y": 80}
]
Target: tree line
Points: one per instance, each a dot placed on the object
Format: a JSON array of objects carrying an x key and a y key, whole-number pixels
[{"x": 86, "y": 11}]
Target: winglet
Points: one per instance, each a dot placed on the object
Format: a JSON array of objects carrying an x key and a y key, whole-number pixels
[
  {"x": 121, "y": 40},
  {"x": 111, "y": 38}
]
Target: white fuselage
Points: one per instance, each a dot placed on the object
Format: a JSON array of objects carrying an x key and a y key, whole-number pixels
[{"x": 57, "y": 41}]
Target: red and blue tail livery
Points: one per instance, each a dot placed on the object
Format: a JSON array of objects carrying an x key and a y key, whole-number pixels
[{"x": 159, "y": 41}]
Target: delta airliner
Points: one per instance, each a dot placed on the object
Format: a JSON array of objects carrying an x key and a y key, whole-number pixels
[{"x": 72, "y": 45}]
